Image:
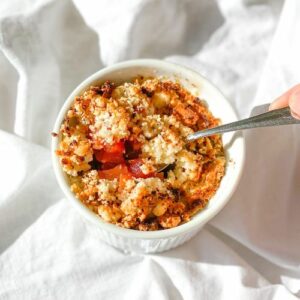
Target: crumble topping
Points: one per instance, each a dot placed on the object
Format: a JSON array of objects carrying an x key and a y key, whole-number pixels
[{"x": 114, "y": 140}]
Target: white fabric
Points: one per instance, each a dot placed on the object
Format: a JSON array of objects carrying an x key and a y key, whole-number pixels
[{"x": 251, "y": 250}]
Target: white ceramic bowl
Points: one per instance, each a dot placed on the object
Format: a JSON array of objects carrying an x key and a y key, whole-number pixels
[{"x": 156, "y": 241}]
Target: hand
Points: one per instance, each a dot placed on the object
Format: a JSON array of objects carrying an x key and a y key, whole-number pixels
[{"x": 290, "y": 98}]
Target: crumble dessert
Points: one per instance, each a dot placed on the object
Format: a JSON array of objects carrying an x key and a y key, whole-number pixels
[{"x": 115, "y": 138}]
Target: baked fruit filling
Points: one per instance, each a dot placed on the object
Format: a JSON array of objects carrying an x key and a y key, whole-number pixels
[{"x": 115, "y": 139}]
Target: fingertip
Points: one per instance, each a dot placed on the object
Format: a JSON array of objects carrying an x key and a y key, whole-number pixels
[
  {"x": 294, "y": 103},
  {"x": 280, "y": 102},
  {"x": 284, "y": 99},
  {"x": 294, "y": 115}
]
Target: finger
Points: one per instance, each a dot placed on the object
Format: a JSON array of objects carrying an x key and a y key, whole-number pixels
[
  {"x": 294, "y": 103},
  {"x": 295, "y": 115},
  {"x": 283, "y": 100}
]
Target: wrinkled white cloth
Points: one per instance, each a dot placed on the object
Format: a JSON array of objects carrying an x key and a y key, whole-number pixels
[{"x": 249, "y": 49}]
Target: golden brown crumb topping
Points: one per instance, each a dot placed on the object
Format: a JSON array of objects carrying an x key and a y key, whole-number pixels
[{"x": 115, "y": 138}]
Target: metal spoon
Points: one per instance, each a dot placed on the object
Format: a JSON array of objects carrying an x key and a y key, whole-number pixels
[{"x": 275, "y": 117}]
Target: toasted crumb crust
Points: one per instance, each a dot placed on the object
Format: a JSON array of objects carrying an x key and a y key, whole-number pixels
[{"x": 156, "y": 114}]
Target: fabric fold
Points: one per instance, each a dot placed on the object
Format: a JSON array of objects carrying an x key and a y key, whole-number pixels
[{"x": 249, "y": 251}]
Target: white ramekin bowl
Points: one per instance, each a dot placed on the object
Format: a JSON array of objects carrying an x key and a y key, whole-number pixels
[{"x": 157, "y": 241}]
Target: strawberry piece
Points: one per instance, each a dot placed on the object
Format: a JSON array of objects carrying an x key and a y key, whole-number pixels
[
  {"x": 114, "y": 173},
  {"x": 111, "y": 153},
  {"x": 134, "y": 166},
  {"x": 109, "y": 157}
]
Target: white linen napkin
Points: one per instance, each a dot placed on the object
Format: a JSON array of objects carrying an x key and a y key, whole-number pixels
[{"x": 251, "y": 250}]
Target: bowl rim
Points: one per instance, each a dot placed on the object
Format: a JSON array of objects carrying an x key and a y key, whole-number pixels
[{"x": 199, "y": 219}]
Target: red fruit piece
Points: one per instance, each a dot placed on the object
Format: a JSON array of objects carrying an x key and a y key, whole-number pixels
[
  {"x": 111, "y": 153},
  {"x": 118, "y": 147},
  {"x": 116, "y": 172},
  {"x": 109, "y": 157},
  {"x": 134, "y": 166}
]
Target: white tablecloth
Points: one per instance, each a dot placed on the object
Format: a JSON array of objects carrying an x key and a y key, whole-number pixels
[{"x": 250, "y": 49}]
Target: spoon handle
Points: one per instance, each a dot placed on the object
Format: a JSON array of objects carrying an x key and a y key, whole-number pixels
[{"x": 275, "y": 117}]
